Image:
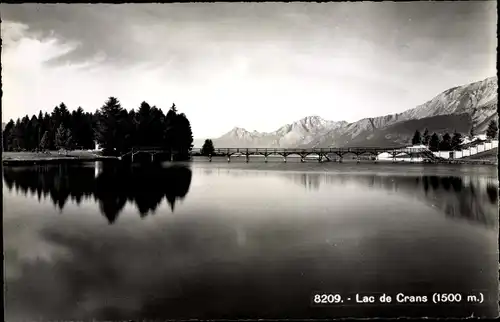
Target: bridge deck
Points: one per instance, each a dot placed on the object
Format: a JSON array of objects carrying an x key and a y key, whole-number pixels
[
  {"x": 289, "y": 151},
  {"x": 321, "y": 152}
]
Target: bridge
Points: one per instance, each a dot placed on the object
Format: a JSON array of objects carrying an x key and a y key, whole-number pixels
[
  {"x": 320, "y": 153},
  {"x": 152, "y": 151}
]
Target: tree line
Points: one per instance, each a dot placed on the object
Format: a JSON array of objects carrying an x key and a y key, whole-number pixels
[
  {"x": 115, "y": 129},
  {"x": 447, "y": 142}
]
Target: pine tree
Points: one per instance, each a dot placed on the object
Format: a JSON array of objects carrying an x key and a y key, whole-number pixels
[
  {"x": 142, "y": 120},
  {"x": 27, "y": 133},
  {"x": 417, "y": 138},
  {"x": 456, "y": 141},
  {"x": 8, "y": 136},
  {"x": 157, "y": 124},
  {"x": 110, "y": 127},
  {"x": 434, "y": 142},
  {"x": 208, "y": 148},
  {"x": 65, "y": 115},
  {"x": 491, "y": 131},
  {"x": 68, "y": 144},
  {"x": 183, "y": 143},
  {"x": 18, "y": 136},
  {"x": 44, "y": 142},
  {"x": 445, "y": 144},
  {"x": 169, "y": 136},
  {"x": 426, "y": 138},
  {"x": 61, "y": 137},
  {"x": 48, "y": 125}
]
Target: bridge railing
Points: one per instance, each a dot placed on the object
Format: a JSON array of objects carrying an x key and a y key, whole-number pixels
[{"x": 355, "y": 150}]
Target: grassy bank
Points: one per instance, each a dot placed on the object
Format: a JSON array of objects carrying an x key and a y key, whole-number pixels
[{"x": 14, "y": 158}]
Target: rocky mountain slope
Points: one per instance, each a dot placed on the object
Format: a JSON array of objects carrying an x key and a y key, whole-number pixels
[{"x": 454, "y": 109}]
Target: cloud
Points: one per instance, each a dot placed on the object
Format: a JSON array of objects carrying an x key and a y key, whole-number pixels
[{"x": 244, "y": 60}]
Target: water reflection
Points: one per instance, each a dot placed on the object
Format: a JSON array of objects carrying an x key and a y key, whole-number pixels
[
  {"x": 471, "y": 198},
  {"x": 111, "y": 185},
  {"x": 250, "y": 244}
]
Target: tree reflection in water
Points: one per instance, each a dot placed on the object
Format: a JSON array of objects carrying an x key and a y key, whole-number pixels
[
  {"x": 111, "y": 188},
  {"x": 472, "y": 198}
]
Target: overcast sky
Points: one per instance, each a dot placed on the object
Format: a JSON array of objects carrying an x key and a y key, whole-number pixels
[{"x": 252, "y": 65}]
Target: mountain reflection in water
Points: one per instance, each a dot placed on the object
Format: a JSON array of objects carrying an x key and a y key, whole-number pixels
[
  {"x": 468, "y": 198},
  {"x": 472, "y": 198},
  {"x": 112, "y": 187}
]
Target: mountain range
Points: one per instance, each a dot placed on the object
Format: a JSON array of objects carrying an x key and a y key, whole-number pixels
[{"x": 456, "y": 109}]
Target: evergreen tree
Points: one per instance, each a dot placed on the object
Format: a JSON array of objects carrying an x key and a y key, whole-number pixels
[
  {"x": 68, "y": 144},
  {"x": 56, "y": 118},
  {"x": 61, "y": 137},
  {"x": 18, "y": 136},
  {"x": 65, "y": 116},
  {"x": 456, "y": 141},
  {"x": 27, "y": 133},
  {"x": 157, "y": 123},
  {"x": 434, "y": 142},
  {"x": 8, "y": 136},
  {"x": 44, "y": 142},
  {"x": 183, "y": 143},
  {"x": 208, "y": 148},
  {"x": 129, "y": 130},
  {"x": 48, "y": 126},
  {"x": 169, "y": 136},
  {"x": 142, "y": 121},
  {"x": 426, "y": 138},
  {"x": 110, "y": 129},
  {"x": 445, "y": 144},
  {"x": 417, "y": 138},
  {"x": 81, "y": 129},
  {"x": 491, "y": 131}
]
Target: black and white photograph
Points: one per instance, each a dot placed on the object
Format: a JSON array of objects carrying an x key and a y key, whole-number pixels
[{"x": 249, "y": 160}]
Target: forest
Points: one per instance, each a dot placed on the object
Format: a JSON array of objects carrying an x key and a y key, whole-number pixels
[
  {"x": 115, "y": 129},
  {"x": 447, "y": 142}
]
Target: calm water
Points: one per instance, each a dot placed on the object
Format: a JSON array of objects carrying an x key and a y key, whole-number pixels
[{"x": 218, "y": 240}]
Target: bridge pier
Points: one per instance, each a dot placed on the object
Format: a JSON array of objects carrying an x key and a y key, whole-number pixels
[{"x": 323, "y": 155}]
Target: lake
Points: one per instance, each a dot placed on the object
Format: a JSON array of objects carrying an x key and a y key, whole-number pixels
[{"x": 234, "y": 240}]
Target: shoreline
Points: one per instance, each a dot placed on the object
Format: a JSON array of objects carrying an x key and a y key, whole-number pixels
[{"x": 33, "y": 158}]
